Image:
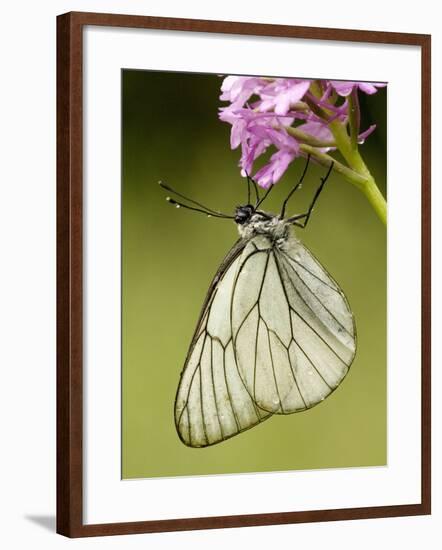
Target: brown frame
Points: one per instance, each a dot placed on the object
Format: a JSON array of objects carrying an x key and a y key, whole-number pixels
[{"x": 70, "y": 266}]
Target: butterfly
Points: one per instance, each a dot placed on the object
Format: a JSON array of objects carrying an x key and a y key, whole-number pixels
[{"x": 276, "y": 334}]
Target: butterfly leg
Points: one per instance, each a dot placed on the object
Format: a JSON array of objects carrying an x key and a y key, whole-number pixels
[
  {"x": 296, "y": 220},
  {"x": 297, "y": 186}
]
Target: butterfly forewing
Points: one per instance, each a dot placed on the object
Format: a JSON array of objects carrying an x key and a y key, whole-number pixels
[{"x": 212, "y": 402}]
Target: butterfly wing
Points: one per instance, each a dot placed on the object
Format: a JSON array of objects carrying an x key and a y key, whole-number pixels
[
  {"x": 294, "y": 336},
  {"x": 212, "y": 402}
]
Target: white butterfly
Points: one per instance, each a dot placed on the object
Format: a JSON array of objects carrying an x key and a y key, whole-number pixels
[{"x": 275, "y": 336}]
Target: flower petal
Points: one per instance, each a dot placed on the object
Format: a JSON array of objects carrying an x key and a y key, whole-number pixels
[
  {"x": 364, "y": 135},
  {"x": 343, "y": 87}
]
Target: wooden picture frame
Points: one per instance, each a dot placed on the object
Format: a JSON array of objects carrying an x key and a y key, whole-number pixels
[{"x": 70, "y": 273}]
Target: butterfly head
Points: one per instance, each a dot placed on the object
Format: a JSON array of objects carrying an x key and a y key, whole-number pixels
[{"x": 244, "y": 213}]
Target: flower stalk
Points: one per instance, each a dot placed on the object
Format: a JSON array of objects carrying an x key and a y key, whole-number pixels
[{"x": 350, "y": 152}]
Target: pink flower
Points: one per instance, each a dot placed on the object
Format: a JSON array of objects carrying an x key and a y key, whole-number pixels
[
  {"x": 318, "y": 130},
  {"x": 272, "y": 172},
  {"x": 364, "y": 135},
  {"x": 261, "y": 108},
  {"x": 239, "y": 124},
  {"x": 281, "y": 94},
  {"x": 252, "y": 148},
  {"x": 288, "y": 149},
  {"x": 254, "y": 131},
  {"x": 278, "y": 136},
  {"x": 239, "y": 89},
  {"x": 345, "y": 87}
]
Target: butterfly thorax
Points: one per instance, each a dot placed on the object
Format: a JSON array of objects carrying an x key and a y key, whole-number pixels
[{"x": 252, "y": 223}]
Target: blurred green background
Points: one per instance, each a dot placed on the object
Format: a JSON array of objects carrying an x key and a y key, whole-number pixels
[{"x": 171, "y": 132}]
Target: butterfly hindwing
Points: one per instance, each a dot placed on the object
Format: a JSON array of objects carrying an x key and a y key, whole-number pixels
[{"x": 293, "y": 330}]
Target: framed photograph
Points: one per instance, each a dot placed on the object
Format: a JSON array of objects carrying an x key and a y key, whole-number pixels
[{"x": 243, "y": 325}]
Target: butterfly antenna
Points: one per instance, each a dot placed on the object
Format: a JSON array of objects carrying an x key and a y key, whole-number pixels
[
  {"x": 196, "y": 203},
  {"x": 208, "y": 213},
  {"x": 297, "y": 186},
  {"x": 306, "y": 217}
]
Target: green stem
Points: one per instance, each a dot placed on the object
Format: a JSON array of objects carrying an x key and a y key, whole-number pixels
[
  {"x": 376, "y": 199},
  {"x": 356, "y": 163}
]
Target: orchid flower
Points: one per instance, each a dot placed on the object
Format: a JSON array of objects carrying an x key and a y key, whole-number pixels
[{"x": 299, "y": 118}]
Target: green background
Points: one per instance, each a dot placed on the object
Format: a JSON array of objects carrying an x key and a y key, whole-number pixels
[{"x": 171, "y": 132}]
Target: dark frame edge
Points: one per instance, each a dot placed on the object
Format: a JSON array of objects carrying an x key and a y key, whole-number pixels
[
  {"x": 70, "y": 267},
  {"x": 69, "y": 276},
  {"x": 245, "y": 28},
  {"x": 253, "y": 520}
]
